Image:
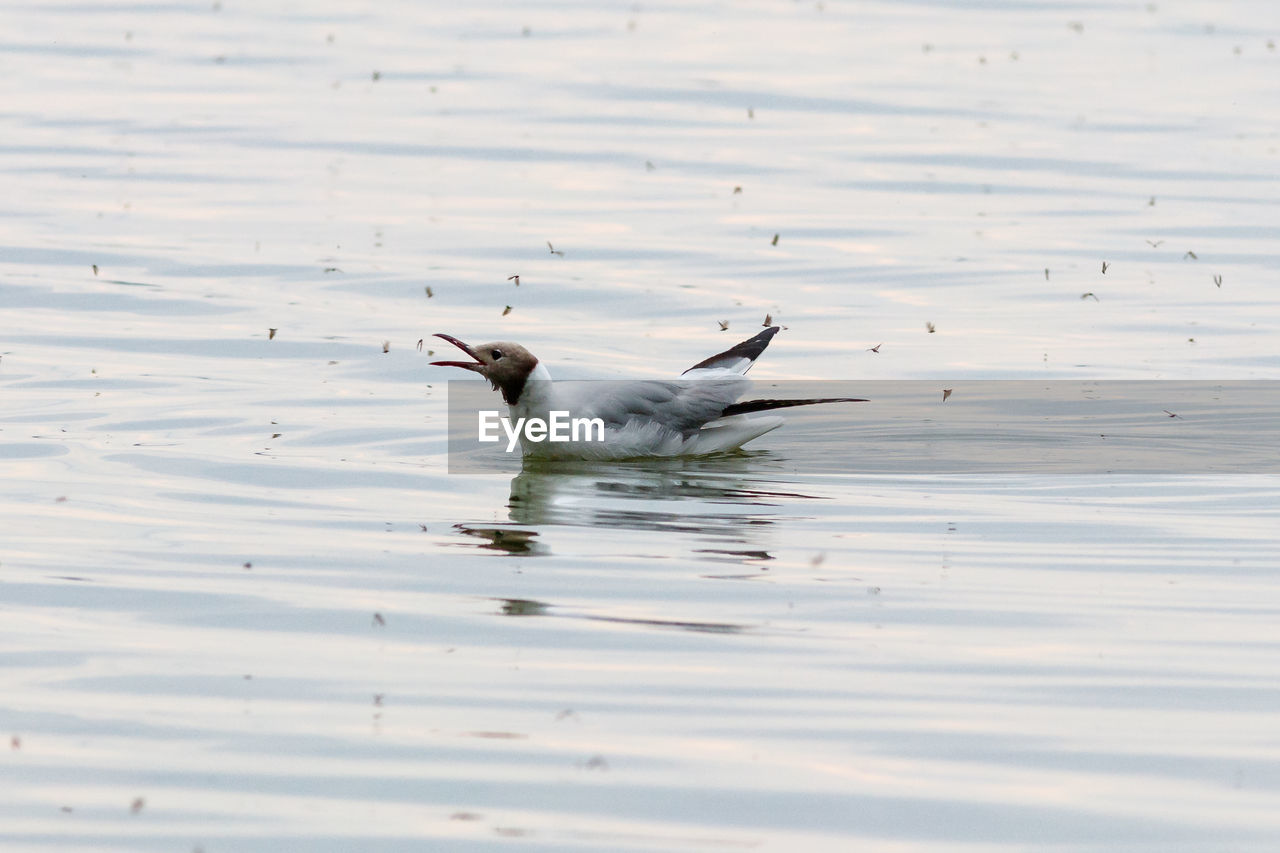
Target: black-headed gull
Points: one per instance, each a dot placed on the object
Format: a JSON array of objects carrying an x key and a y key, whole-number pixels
[{"x": 696, "y": 414}]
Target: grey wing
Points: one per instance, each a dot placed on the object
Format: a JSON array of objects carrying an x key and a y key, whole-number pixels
[{"x": 683, "y": 406}]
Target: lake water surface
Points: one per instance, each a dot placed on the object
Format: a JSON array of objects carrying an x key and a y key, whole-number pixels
[{"x": 244, "y": 606}]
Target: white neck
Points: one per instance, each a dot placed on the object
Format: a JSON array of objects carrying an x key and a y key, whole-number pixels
[
  {"x": 540, "y": 373},
  {"x": 537, "y": 393}
]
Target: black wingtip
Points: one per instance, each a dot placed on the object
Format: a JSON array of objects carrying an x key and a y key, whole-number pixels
[
  {"x": 748, "y": 406},
  {"x": 749, "y": 349}
]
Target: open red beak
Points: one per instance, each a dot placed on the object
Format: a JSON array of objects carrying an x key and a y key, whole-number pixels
[{"x": 476, "y": 365}]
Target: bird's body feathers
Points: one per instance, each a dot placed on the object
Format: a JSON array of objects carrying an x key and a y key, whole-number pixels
[{"x": 696, "y": 414}]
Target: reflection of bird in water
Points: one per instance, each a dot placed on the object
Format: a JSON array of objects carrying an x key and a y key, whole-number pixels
[
  {"x": 694, "y": 415},
  {"x": 529, "y": 607},
  {"x": 512, "y": 540},
  {"x": 716, "y": 495},
  {"x": 724, "y": 500}
]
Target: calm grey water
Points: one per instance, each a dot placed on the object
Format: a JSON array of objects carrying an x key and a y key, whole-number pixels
[{"x": 244, "y": 607}]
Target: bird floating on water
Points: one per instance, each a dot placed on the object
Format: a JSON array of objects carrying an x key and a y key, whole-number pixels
[{"x": 696, "y": 414}]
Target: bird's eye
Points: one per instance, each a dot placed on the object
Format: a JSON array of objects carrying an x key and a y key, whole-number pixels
[{"x": 496, "y": 354}]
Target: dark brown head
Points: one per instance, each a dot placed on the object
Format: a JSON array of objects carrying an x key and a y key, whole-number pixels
[{"x": 506, "y": 365}]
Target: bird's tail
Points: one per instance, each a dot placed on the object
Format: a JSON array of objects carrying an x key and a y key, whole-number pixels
[{"x": 748, "y": 406}]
